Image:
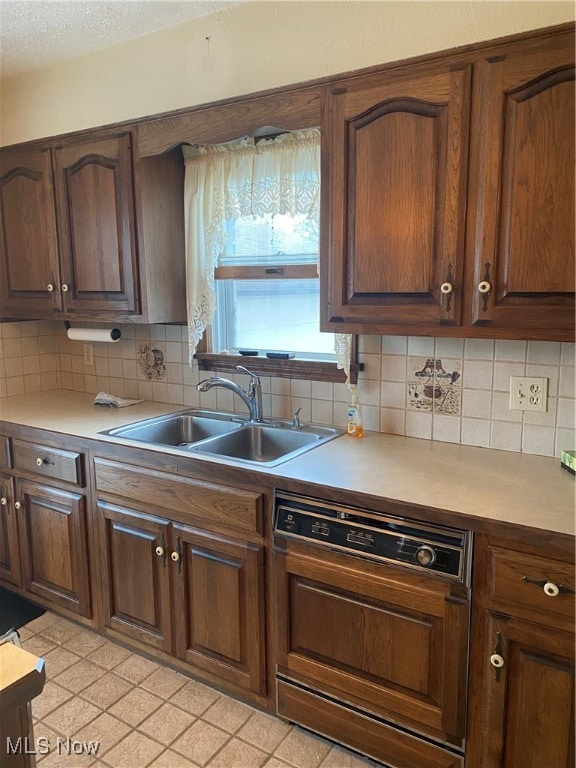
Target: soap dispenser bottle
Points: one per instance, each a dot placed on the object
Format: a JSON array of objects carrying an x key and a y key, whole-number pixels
[{"x": 354, "y": 427}]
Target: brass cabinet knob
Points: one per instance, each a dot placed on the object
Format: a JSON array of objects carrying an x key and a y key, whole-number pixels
[
  {"x": 484, "y": 286},
  {"x": 175, "y": 556},
  {"x": 18, "y": 505},
  {"x": 160, "y": 551},
  {"x": 446, "y": 288},
  {"x": 3, "y": 501},
  {"x": 39, "y": 461}
]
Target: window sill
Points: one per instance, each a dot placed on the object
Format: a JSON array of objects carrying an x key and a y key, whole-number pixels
[{"x": 315, "y": 370}]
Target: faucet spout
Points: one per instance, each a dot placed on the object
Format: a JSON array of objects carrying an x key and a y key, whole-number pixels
[{"x": 252, "y": 398}]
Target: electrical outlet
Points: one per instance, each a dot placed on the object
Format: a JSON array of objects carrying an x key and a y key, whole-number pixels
[
  {"x": 88, "y": 354},
  {"x": 528, "y": 394}
]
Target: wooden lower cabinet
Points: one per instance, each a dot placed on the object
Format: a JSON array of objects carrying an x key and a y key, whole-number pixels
[
  {"x": 136, "y": 578},
  {"x": 9, "y": 556},
  {"x": 219, "y": 597},
  {"x": 522, "y": 653},
  {"x": 194, "y": 594},
  {"x": 528, "y": 717},
  {"x": 53, "y": 545}
]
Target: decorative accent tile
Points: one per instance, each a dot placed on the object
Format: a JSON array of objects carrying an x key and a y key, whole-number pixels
[
  {"x": 434, "y": 388},
  {"x": 151, "y": 361}
]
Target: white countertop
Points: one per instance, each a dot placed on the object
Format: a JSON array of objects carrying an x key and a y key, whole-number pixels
[{"x": 515, "y": 488}]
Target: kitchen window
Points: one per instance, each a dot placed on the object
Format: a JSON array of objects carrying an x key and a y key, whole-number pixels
[
  {"x": 267, "y": 288},
  {"x": 252, "y": 235}
]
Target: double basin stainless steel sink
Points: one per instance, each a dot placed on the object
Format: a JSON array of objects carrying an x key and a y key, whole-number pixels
[{"x": 227, "y": 437}]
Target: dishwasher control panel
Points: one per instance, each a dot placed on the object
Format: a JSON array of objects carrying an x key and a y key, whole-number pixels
[{"x": 423, "y": 546}]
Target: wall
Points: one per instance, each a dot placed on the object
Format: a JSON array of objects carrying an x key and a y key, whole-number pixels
[
  {"x": 472, "y": 409},
  {"x": 215, "y": 57}
]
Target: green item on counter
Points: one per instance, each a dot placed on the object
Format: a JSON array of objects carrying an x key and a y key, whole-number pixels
[{"x": 568, "y": 461}]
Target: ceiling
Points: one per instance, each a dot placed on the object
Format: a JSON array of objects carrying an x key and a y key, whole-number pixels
[{"x": 36, "y": 33}]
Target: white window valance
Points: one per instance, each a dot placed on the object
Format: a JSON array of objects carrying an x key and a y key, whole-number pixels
[{"x": 246, "y": 177}]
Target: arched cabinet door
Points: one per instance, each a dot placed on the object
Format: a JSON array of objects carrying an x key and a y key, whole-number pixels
[
  {"x": 521, "y": 235},
  {"x": 28, "y": 244},
  {"x": 96, "y": 207},
  {"x": 393, "y": 195}
]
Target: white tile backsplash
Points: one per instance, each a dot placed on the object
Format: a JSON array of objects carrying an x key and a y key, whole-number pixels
[
  {"x": 38, "y": 355},
  {"x": 512, "y": 351}
]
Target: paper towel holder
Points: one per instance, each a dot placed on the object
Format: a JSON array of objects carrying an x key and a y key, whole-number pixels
[{"x": 92, "y": 334}]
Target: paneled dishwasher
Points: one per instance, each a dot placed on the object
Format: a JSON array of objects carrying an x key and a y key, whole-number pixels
[{"x": 372, "y": 623}]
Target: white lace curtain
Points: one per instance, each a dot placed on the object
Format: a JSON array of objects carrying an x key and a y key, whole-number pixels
[{"x": 243, "y": 178}]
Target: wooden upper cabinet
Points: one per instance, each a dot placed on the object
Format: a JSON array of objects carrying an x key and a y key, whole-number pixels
[
  {"x": 90, "y": 231},
  {"x": 28, "y": 241},
  {"x": 448, "y": 209},
  {"x": 522, "y": 196},
  {"x": 394, "y": 184},
  {"x": 97, "y": 225}
]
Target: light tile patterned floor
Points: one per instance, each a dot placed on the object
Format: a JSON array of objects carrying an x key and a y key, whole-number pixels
[{"x": 144, "y": 715}]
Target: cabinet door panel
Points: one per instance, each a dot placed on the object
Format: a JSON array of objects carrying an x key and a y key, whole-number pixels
[
  {"x": 219, "y": 595},
  {"x": 394, "y": 178},
  {"x": 9, "y": 557},
  {"x": 97, "y": 225},
  {"x": 529, "y": 712},
  {"x": 53, "y": 545},
  {"x": 136, "y": 583},
  {"x": 395, "y": 646},
  {"x": 28, "y": 245},
  {"x": 523, "y": 213}
]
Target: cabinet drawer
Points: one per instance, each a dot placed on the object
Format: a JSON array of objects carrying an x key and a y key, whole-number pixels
[
  {"x": 531, "y": 586},
  {"x": 183, "y": 499},
  {"x": 5, "y": 452},
  {"x": 48, "y": 462}
]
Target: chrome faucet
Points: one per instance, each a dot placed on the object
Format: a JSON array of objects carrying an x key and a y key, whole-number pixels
[{"x": 252, "y": 397}]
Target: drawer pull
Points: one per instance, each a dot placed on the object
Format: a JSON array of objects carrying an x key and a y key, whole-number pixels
[
  {"x": 18, "y": 505},
  {"x": 160, "y": 551},
  {"x": 175, "y": 556},
  {"x": 40, "y": 462},
  {"x": 550, "y": 589},
  {"x": 3, "y": 501}
]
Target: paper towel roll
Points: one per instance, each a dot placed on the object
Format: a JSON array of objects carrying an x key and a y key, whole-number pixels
[{"x": 94, "y": 334}]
